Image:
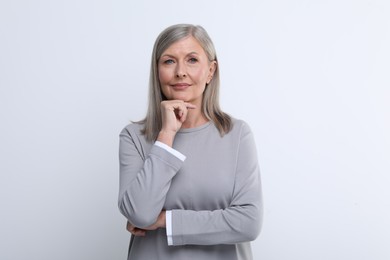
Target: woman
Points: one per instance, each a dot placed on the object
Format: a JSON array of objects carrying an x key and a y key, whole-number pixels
[{"x": 189, "y": 176}]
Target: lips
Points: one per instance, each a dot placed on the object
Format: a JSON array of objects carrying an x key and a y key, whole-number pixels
[{"x": 180, "y": 86}]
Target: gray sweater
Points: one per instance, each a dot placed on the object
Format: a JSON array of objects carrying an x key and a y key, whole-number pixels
[{"x": 214, "y": 195}]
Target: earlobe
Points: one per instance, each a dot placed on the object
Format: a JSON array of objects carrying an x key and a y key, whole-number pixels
[{"x": 213, "y": 67}]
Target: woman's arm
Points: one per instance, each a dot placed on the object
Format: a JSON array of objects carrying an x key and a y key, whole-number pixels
[
  {"x": 239, "y": 222},
  {"x": 144, "y": 183}
]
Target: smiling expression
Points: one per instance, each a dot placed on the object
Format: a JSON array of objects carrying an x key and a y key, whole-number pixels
[{"x": 184, "y": 70}]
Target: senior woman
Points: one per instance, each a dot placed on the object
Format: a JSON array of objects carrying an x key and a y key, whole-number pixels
[{"x": 189, "y": 175}]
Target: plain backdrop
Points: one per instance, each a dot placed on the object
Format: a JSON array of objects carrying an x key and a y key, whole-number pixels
[{"x": 311, "y": 77}]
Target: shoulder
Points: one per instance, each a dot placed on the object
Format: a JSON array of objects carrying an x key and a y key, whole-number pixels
[
  {"x": 240, "y": 127},
  {"x": 238, "y": 122},
  {"x": 132, "y": 129},
  {"x": 131, "y": 137}
]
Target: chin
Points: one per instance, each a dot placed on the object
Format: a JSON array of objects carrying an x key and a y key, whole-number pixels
[{"x": 183, "y": 98}]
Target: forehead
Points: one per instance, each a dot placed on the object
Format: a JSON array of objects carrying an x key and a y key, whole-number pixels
[{"x": 185, "y": 46}]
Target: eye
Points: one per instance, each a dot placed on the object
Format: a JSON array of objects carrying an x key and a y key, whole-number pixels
[
  {"x": 168, "y": 61},
  {"x": 193, "y": 60}
]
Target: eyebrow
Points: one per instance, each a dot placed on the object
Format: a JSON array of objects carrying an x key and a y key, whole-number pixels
[{"x": 173, "y": 56}]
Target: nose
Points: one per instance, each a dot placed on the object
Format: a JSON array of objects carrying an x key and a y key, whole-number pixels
[{"x": 180, "y": 71}]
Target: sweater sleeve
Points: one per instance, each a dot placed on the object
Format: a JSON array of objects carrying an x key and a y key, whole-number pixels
[
  {"x": 144, "y": 182},
  {"x": 241, "y": 220}
]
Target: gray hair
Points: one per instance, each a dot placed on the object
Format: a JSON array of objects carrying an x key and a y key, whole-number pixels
[{"x": 210, "y": 106}]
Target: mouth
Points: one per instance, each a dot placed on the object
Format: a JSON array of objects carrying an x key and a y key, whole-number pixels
[{"x": 180, "y": 86}]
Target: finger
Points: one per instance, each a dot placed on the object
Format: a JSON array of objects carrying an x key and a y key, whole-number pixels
[
  {"x": 175, "y": 103},
  {"x": 180, "y": 110},
  {"x": 183, "y": 105},
  {"x": 130, "y": 227},
  {"x": 181, "y": 113},
  {"x": 171, "y": 104},
  {"x": 138, "y": 232},
  {"x": 189, "y": 105}
]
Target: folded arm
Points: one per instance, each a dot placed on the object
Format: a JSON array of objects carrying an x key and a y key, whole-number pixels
[
  {"x": 241, "y": 220},
  {"x": 144, "y": 183}
]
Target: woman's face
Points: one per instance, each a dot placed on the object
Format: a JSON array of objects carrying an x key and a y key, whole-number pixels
[{"x": 184, "y": 70}]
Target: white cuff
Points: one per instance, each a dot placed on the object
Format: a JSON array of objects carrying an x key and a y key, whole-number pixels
[
  {"x": 168, "y": 224},
  {"x": 171, "y": 150}
]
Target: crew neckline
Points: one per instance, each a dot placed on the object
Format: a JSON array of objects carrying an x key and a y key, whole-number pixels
[{"x": 194, "y": 129}]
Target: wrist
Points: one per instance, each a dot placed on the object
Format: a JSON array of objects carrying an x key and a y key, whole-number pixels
[
  {"x": 163, "y": 219},
  {"x": 166, "y": 137}
]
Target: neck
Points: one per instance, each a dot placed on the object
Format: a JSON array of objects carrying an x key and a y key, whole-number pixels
[{"x": 195, "y": 118}]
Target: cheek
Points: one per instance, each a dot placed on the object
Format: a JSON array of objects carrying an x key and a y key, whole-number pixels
[
  {"x": 164, "y": 78},
  {"x": 164, "y": 75},
  {"x": 200, "y": 75}
]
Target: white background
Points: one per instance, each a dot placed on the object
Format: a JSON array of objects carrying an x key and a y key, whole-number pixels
[{"x": 310, "y": 77}]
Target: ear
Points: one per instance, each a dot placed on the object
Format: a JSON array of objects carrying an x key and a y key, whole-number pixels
[{"x": 212, "y": 68}]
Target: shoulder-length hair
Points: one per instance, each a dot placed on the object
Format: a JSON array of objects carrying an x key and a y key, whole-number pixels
[{"x": 210, "y": 104}]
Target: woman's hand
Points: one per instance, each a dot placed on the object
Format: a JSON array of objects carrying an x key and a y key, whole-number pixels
[
  {"x": 173, "y": 113},
  {"x": 160, "y": 223},
  {"x": 134, "y": 230}
]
